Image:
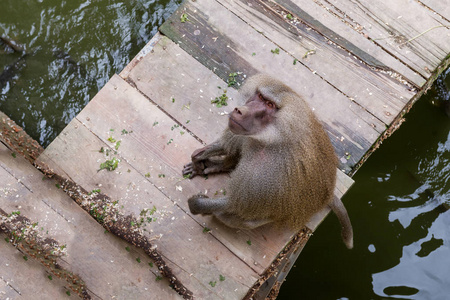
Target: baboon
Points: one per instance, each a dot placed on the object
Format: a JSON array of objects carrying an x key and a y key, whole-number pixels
[{"x": 282, "y": 163}]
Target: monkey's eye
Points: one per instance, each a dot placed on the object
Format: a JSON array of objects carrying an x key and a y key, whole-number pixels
[{"x": 270, "y": 104}]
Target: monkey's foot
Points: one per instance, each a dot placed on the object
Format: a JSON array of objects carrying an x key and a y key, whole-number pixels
[{"x": 196, "y": 205}]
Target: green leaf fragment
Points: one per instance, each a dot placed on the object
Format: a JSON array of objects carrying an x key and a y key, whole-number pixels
[
  {"x": 110, "y": 165},
  {"x": 221, "y": 100},
  {"x": 184, "y": 18}
]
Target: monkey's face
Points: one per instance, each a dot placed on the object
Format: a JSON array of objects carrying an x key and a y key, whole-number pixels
[{"x": 253, "y": 117}]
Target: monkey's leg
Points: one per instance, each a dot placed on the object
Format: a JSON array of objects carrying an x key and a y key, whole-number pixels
[
  {"x": 201, "y": 204},
  {"x": 234, "y": 221}
]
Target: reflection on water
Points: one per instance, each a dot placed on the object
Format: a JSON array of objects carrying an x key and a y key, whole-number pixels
[
  {"x": 71, "y": 49},
  {"x": 423, "y": 270},
  {"x": 400, "y": 210},
  {"x": 400, "y": 202}
]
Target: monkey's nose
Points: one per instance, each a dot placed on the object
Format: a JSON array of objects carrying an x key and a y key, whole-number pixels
[{"x": 236, "y": 109}]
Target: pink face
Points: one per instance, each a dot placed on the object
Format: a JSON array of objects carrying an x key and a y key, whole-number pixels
[{"x": 253, "y": 117}]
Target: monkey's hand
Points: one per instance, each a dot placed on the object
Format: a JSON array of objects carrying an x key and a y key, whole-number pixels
[
  {"x": 193, "y": 168},
  {"x": 208, "y": 166},
  {"x": 197, "y": 166},
  {"x": 203, "y": 162}
]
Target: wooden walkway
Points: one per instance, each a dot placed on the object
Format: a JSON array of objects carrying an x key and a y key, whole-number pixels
[{"x": 359, "y": 64}]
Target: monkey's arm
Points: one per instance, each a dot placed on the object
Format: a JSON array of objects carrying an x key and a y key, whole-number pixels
[
  {"x": 214, "y": 149},
  {"x": 209, "y": 159}
]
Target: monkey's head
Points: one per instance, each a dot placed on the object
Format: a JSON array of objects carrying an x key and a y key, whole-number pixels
[
  {"x": 266, "y": 105},
  {"x": 254, "y": 116}
]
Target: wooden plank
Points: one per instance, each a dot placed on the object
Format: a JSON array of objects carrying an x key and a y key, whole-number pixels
[
  {"x": 351, "y": 128},
  {"x": 147, "y": 48},
  {"x": 25, "y": 279},
  {"x": 184, "y": 88},
  {"x": 438, "y": 7},
  {"x": 99, "y": 259},
  {"x": 338, "y": 28},
  {"x": 408, "y": 30},
  {"x": 373, "y": 88},
  {"x": 175, "y": 235}
]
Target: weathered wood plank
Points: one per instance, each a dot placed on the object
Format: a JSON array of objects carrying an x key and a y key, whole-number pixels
[
  {"x": 99, "y": 259},
  {"x": 217, "y": 45},
  {"x": 340, "y": 29},
  {"x": 374, "y": 89},
  {"x": 183, "y": 88},
  {"x": 177, "y": 237},
  {"x": 408, "y": 30},
  {"x": 147, "y": 48},
  {"x": 18, "y": 139},
  {"x": 438, "y": 7},
  {"x": 25, "y": 279}
]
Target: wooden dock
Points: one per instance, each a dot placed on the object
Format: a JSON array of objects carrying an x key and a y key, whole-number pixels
[{"x": 359, "y": 64}]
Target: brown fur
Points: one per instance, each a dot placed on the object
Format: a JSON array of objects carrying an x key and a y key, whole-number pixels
[{"x": 283, "y": 175}]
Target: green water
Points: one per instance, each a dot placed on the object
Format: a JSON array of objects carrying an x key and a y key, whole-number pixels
[
  {"x": 73, "y": 47},
  {"x": 398, "y": 205}
]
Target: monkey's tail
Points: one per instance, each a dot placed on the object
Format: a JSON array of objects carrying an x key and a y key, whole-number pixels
[{"x": 347, "y": 231}]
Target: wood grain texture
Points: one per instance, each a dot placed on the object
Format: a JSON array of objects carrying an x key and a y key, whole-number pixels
[
  {"x": 441, "y": 8},
  {"x": 338, "y": 27},
  {"x": 406, "y": 29},
  {"x": 24, "y": 279},
  {"x": 183, "y": 88},
  {"x": 98, "y": 258}
]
